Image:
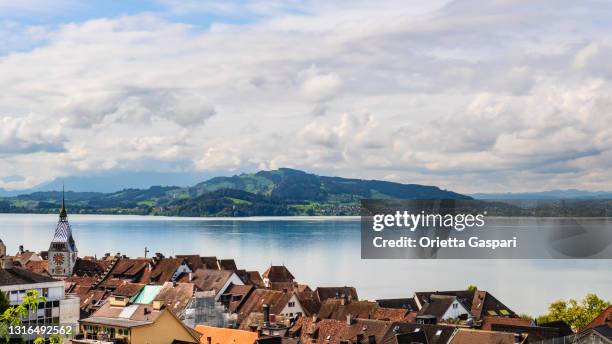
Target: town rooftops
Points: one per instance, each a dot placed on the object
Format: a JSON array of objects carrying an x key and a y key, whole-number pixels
[
  {"x": 128, "y": 289},
  {"x": 16, "y": 276},
  {"x": 348, "y": 293},
  {"x": 480, "y": 303},
  {"x": 408, "y": 333},
  {"x": 175, "y": 296},
  {"x": 437, "y": 306},
  {"x": 210, "y": 280},
  {"x": 38, "y": 266},
  {"x": 468, "y": 336},
  {"x": 405, "y": 303},
  {"x": 277, "y": 300},
  {"x": 278, "y": 273},
  {"x": 128, "y": 316}
]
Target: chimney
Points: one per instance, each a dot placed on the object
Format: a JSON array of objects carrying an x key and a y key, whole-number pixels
[
  {"x": 349, "y": 320},
  {"x": 285, "y": 290},
  {"x": 209, "y": 340},
  {"x": 266, "y": 315},
  {"x": 21, "y": 250}
]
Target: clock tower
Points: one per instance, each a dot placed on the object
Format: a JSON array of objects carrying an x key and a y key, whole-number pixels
[{"x": 62, "y": 251}]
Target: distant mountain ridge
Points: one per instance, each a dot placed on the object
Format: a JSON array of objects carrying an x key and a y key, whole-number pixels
[
  {"x": 545, "y": 195},
  {"x": 278, "y": 192}
]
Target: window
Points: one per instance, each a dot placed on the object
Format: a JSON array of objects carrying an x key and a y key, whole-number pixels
[
  {"x": 45, "y": 292},
  {"x": 455, "y": 306},
  {"x": 291, "y": 304}
]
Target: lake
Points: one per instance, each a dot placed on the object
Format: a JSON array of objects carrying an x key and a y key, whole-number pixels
[{"x": 319, "y": 252}]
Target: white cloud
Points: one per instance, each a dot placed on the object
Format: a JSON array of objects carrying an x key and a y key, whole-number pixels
[
  {"x": 503, "y": 96},
  {"x": 319, "y": 87}
]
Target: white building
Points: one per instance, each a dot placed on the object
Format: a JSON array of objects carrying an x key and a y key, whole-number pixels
[{"x": 59, "y": 308}]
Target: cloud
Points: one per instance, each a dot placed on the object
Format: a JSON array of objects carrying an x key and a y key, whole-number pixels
[
  {"x": 20, "y": 135},
  {"x": 319, "y": 87},
  {"x": 471, "y": 97}
]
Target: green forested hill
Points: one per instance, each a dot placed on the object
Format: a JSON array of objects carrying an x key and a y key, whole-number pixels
[{"x": 265, "y": 193}]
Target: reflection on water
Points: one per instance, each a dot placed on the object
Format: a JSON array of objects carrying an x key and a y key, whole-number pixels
[{"x": 318, "y": 252}]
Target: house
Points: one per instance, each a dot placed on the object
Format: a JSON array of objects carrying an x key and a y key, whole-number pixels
[
  {"x": 117, "y": 320},
  {"x": 38, "y": 266},
  {"x": 405, "y": 333},
  {"x": 283, "y": 303},
  {"x": 470, "y": 336},
  {"x": 331, "y": 331},
  {"x": 405, "y": 303},
  {"x": 599, "y": 330},
  {"x": 339, "y": 309},
  {"x": 347, "y": 293},
  {"x": 196, "y": 262},
  {"x": 234, "y": 295},
  {"x": 599, "y": 334},
  {"x": 254, "y": 278},
  {"x": 277, "y": 274},
  {"x": 218, "y": 335},
  {"x": 216, "y": 281},
  {"x": 25, "y": 256},
  {"x": 479, "y": 303},
  {"x": 442, "y": 308},
  {"x": 59, "y": 308}
]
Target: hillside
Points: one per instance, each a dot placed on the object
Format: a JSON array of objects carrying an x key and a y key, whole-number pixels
[{"x": 265, "y": 193}]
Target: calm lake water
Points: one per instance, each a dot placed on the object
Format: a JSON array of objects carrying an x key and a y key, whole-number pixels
[{"x": 319, "y": 252}]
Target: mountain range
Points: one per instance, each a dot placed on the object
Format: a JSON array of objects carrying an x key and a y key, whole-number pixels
[{"x": 266, "y": 193}]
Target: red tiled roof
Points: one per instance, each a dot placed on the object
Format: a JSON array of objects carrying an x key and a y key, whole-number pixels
[
  {"x": 278, "y": 273},
  {"x": 210, "y": 280},
  {"x": 488, "y": 322},
  {"x": 176, "y": 296},
  {"x": 277, "y": 300},
  {"x": 38, "y": 266},
  {"x": 128, "y": 289},
  {"x": 468, "y": 336},
  {"x": 324, "y": 293}
]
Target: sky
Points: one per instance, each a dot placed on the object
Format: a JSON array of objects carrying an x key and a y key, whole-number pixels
[{"x": 471, "y": 96}]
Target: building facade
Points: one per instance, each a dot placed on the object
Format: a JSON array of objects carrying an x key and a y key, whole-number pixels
[{"x": 59, "y": 308}]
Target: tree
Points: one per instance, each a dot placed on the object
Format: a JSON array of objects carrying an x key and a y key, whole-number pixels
[
  {"x": 575, "y": 313},
  {"x": 12, "y": 315},
  {"x": 472, "y": 287},
  {"x": 4, "y": 302}
]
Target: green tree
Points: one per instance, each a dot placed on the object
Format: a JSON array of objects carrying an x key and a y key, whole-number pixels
[
  {"x": 575, "y": 313},
  {"x": 4, "y": 302},
  {"x": 12, "y": 315},
  {"x": 472, "y": 287}
]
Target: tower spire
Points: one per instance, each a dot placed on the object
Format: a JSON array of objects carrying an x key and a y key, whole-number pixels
[{"x": 63, "y": 213}]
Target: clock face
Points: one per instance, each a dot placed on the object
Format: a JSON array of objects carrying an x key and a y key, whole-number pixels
[{"x": 58, "y": 259}]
